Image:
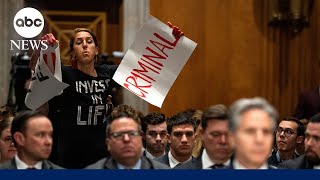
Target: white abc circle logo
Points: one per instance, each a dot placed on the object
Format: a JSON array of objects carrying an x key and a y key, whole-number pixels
[{"x": 28, "y": 22}]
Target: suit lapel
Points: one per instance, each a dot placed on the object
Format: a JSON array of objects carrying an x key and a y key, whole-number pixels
[
  {"x": 197, "y": 162},
  {"x": 110, "y": 164},
  {"x": 13, "y": 164},
  {"x": 46, "y": 165},
  {"x": 145, "y": 163}
]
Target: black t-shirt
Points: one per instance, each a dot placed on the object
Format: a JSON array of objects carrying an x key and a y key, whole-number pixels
[{"x": 77, "y": 116}]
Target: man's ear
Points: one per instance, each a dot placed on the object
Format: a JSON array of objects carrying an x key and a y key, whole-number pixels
[
  {"x": 169, "y": 138},
  {"x": 195, "y": 136},
  {"x": 19, "y": 138},
  {"x": 300, "y": 139}
]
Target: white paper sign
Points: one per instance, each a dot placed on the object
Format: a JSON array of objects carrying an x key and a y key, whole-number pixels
[
  {"x": 153, "y": 62},
  {"x": 46, "y": 81}
]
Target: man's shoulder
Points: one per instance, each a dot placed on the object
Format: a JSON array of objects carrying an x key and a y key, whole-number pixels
[
  {"x": 100, "y": 164},
  {"x": 195, "y": 163},
  {"x": 50, "y": 165},
  {"x": 186, "y": 165},
  {"x": 8, "y": 165},
  {"x": 272, "y": 160},
  {"x": 157, "y": 165},
  {"x": 297, "y": 163},
  {"x": 164, "y": 159}
]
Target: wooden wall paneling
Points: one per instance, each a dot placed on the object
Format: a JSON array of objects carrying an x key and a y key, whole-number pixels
[
  {"x": 240, "y": 54},
  {"x": 188, "y": 90}
]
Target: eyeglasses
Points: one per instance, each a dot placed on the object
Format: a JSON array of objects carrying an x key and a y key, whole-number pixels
[
  {"x": 7, "y": 140},
  {"x": 120, "y": 135},
  {"x": 287, "y": 131},
  {"x": 155, "y": 134}
]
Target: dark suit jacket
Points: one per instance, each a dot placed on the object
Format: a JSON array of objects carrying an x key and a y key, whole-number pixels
[
  {"x": 163, "y": 159},
  {"x": 12, "y": 165},
  {"x": 195, "y": 163},
  {"x": 300, "y": 162},
  {"x": 109, "y": 163},
  {"x": 308, "y": 104},
  {"x": 273, "y": 159}
]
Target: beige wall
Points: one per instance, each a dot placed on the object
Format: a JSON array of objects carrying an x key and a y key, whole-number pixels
[{"x": 238, "y": 55}]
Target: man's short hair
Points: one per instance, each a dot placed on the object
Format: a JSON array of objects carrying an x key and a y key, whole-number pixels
[
  {"x": 153, "y": 119},
  {"x": 120, "y": 112},
  {"x": 242, "y": 105},
  {"x": 184, "y": 117},
  {"x": 216, "y": 112},
  {"x": 300, "y": 128},
  {"x": 20, "y": 121},
  {"x": 315, "y": 118}
]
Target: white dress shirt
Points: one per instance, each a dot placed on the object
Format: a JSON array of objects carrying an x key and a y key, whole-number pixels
[
  {"x": 136, "y": 166},
  {"x": 173, "y": 162},
  {"x": 21, "y": 165},
  {"x": 237, "y": 165},
  {"x": 207, "y": 163}
]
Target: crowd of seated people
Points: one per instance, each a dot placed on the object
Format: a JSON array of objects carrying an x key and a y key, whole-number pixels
[{"x": 247, "y": 135}]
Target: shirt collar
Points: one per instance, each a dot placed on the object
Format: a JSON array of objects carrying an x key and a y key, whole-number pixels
[
  {"x": 173, "y": 162},
  {"x": 207, "y": 162},
  {"x": 237, "y": 165},
  {"x": 22, "y": 165},
  {"x": 136, "y": 166}
]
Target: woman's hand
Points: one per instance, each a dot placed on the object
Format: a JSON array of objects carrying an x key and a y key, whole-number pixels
[
  {"x": 50, "y": 39},
  {"x": 177, "y": 33}
]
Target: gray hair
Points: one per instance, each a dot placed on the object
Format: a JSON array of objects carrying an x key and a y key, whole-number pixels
[{"x": 242, "y": 105}]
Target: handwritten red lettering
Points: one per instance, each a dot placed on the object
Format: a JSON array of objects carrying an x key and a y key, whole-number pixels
[{"x": 166, "y": 41}]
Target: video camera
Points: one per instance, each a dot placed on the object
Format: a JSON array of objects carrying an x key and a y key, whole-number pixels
[{"x": 20, "y": 73}]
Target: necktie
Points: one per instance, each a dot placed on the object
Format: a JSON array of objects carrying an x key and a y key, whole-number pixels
[
  {"x": 217, "y": 166},
  {"x": 31, "y": 168}
]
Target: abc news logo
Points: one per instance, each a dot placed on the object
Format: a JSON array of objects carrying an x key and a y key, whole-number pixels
[{"x": 28, "y": 23}]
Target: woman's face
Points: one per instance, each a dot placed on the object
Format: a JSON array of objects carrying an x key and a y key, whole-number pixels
[
  {"x": 7, "y": 149},
  {"x": 84, "y": 48}
]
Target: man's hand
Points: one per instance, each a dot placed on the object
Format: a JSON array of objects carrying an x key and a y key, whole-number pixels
[{"x": 177, "y": 33}]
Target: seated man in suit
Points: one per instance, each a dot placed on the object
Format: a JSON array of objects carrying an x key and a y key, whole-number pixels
[
  {"x": 32, "y": 136},
  {"x": 124, "y": 143},
  {"x": 252, "y": 125},
  {"x": 311, "y": 159},
  {"x": 154, "y": 127},
  {"x": 289, "y": 133},
  {"x": 215, "y": 136},
  {"x": 182, "y": 138}
]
